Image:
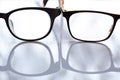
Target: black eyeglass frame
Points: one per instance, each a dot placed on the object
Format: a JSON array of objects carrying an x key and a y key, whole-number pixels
[
  {"x": 53, "y": 13},
  {"x": 68, "y": 14}
]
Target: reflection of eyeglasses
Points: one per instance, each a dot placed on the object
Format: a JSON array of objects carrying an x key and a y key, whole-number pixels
[
  {"x": 38, "y": 66},
  {"x": 96, "y": 59},
  {"x": 36, "y": 23}
]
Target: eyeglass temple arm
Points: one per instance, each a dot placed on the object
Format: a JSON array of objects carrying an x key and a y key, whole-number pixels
[
  {"x": 61, "y": 2},
  {"x": 61, "y": 5},
  {"x": 45, "y": 2}
]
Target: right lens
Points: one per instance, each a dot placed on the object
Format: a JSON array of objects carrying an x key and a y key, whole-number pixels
[{"x": 30, "y": 24}]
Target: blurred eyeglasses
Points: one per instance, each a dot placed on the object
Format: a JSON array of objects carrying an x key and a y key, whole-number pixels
[{"x": 36, "y": 23}]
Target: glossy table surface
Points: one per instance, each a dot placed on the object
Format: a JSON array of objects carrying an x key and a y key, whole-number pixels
[{"x": 58, "y": 58}]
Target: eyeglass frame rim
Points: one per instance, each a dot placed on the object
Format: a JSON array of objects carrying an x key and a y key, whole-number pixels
[
  {"x": 49, "y": 11},
  {"x": 67, "y": 15}
]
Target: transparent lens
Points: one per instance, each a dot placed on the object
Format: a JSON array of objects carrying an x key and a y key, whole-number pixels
[
  {"x": 30, "y": 24},
  {"x": 90, "y": 26}
]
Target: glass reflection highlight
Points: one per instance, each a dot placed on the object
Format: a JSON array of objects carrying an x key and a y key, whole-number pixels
[{"x": 31, "y": 59}]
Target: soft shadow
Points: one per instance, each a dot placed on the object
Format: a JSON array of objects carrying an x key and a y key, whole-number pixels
[
  {"x": 29, "y": 51},
  {"x": 89, "y": 58}
]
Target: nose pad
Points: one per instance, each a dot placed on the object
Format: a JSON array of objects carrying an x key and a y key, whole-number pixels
[{"x": 11, "y": 25}]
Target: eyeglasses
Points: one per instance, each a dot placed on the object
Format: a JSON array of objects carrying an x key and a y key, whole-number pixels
[
  {"x": 92, "y": 26},
  {"x": 88, "y": 25},
  {"x": 31, "y": 23},
  {"x": 35, "y": 23}
]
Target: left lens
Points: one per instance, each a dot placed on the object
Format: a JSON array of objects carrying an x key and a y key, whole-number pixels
[{"x": 90, "y": 26}]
